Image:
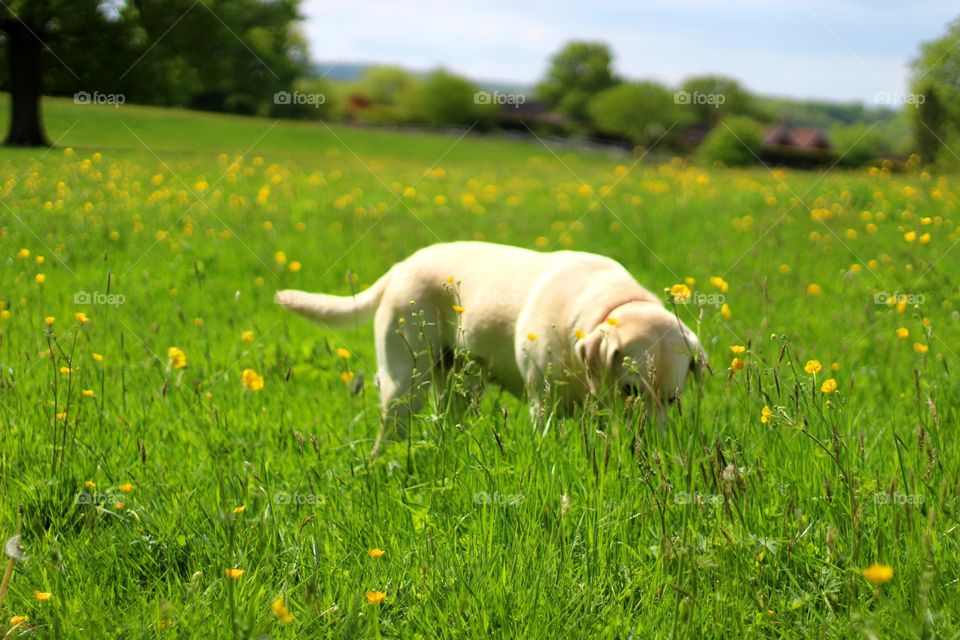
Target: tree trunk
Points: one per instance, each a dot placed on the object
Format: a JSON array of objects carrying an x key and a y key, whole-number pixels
[{"x": 23, "y": 57}]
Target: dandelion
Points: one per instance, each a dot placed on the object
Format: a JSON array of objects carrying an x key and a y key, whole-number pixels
[
  {"x": 42, "y": 596},
  {"x": 252, "y": 381},
  {"x": 737, "y": 365},
  {"x": 737, "y": 349},
  {"x": 247, "y": 336},
  {"x": 279, "y": 609},
  {"x": 828, "y": 386},
  {"x": 376, "y": 597},
  {"x": 178, "y": 359},
  {"x": 919, "y": 347},
  {"x": 903, "y": 333},
  {"x": 766, "y": 415},
  {"x": 376, "y": 553},
  {"x": 457, "y": 308},
  {"x": 813, "y": 367},
  {"x": 343, "y": 353},
  {"x": 878, "y": 574},
  {"x": 81, "y": 317},
  {"x": 234, "y": 574},
  {"x": 680, "y": 293}
]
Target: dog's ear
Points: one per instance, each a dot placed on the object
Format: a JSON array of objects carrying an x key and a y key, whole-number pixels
[{"x": 598, "y": 351}]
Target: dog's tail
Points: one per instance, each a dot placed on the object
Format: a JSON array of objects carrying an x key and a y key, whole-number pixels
[{"x": 335, "y": 310}]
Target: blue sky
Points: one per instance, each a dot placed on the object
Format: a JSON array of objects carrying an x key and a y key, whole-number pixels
[{"x": 839, "y": 49}]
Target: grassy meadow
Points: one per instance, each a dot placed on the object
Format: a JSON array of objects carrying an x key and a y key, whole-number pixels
[{"x": 183, "y": 458}]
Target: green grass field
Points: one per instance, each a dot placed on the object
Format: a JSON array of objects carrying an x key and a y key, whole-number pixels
[{"x": 137, "y": 485}]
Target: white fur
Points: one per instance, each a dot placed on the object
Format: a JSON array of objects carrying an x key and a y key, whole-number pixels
[{"x": 510, "y": 296}]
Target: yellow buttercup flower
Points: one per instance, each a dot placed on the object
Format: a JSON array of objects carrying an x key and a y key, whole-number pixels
[
  {"x": 81, "y": 317},
  {"x": 903, "y": 333},
  {"x": 247, "y": 336},
  {"x": 376, "y": 597},
  {"x": 87, "y": 393},
  {"x": 280, "y": 257},
  {"x": 919, "y": 347},
  {"x": 766, "y": 415},
  {"x": 279, "y": 609},
  {"x": 814, "y": 289},
  {"x": 240, "y": 509},
  {"x": 295, "y": 266},
  {"x": 680, "y": 293},
  {"x": 40, "y": 278},
  {"x": 531, "y": 336},
  {"x": 813, "y": 367},
  {"x": 725, "y": 311},
  {"x": 15, "y": 620},
  {"x": 233, "y": 574},
  {"x": 376, "y": 553},
  {"x": 611, "y": 321},
  {"x": 720, "y": 283},
  {"x": 738, "y": 364},
  {"x": 346, "y": 376},
  {"x": 737, "y": 349},
  {"x": 252, "y": 381},
  {"x": 49, "y": 320},
  {"x": 580, "y": 335},
  {"x": 178, "y": 359},
  {"x": 96, "y": 357},
  {"x": 878, "y": 574},
  {"x": 343, "y": 353},
  {"x": 828, "y": 386},
  {"x": 42, "y": 596},
  {"x": 126, "y": 487},
  {"x": 458, "y": 308}
]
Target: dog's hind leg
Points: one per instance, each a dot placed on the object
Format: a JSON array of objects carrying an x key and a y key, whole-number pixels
[{"x": 402, "y": 370}]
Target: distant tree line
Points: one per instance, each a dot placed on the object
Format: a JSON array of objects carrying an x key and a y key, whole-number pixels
[{"x": 250, "y": 57}]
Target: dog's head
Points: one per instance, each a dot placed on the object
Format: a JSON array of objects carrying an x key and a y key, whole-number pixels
[{"x": 642, "y": 349}]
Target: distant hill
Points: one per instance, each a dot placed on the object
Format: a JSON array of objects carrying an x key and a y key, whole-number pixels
[{"x": 349, "y": 71}]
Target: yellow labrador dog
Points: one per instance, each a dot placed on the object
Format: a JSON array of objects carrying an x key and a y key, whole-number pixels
[{"x": 577, "y": 320}]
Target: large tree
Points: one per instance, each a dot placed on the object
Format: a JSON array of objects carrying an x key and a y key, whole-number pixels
[
  {"x": 28, "y": 26},
  {"x": 226, "y": 55},
  {"x": 576, "y": 74},
  {"x": 936, "y": 85}
]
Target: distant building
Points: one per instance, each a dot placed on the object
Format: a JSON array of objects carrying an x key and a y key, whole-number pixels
[
  {"x": 786, "y": 144},
  {"x": 531, "y": 113}
]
